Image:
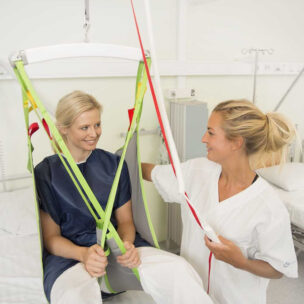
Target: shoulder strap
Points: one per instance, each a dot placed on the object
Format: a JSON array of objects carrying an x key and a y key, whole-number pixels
[{"x": 141, "y": 84}]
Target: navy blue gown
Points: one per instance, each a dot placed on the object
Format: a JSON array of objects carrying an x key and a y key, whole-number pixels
[{"x": 59, "y": 198}]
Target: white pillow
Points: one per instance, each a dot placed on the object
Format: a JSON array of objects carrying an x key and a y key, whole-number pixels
[
  {"x": 289, "y": 177},
  {"x": 17, "y": 212}
]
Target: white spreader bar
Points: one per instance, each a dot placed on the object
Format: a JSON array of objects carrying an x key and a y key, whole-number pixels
[{"x": 76, "y": 50}]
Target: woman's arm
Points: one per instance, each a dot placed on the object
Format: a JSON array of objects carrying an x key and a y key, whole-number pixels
[
  {"x": 126, "y": 231},
  {"x": 146, "y": 171},
  {"x": 125, "y": 224},
  {"x": 228, "y": 252},
  {"x": 92, "y": 257}
]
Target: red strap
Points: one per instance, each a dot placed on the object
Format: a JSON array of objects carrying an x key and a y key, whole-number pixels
[
  {"x": 46, "y": 127},
  {"x": 152, "y": 88},
  {"x": 193, "y": 212},
  {"x": 209, "y": 271},
  {"x": 131, "y": 113},
  {"x": 33, "y": 128},
  {"x": 157, "y": 109}
]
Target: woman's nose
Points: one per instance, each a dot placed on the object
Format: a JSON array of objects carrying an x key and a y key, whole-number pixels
[
  {"x": 204, "y": 138},
  {"x": 92, "y": 132}
]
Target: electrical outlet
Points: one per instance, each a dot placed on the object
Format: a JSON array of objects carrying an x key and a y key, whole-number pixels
[{"x": 180, "y": 93}]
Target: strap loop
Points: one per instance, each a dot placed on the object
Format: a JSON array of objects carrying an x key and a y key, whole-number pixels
[
  {"x": 46, "y": 127},
  {"x": 33, "y": 128}
]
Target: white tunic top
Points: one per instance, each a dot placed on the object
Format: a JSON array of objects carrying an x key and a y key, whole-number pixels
[{"x": 254, "y": 219}]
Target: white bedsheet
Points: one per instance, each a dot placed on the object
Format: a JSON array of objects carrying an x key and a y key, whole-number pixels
[
  {"x": 20, "y": 262},
  {"x": 294, "y": 201}
]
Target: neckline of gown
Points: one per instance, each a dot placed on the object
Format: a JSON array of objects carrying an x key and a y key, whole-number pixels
[{"x": 245, "y": 194}]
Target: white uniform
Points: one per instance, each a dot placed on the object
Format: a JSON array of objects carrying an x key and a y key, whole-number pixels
[{"x": 254, "y": 219}]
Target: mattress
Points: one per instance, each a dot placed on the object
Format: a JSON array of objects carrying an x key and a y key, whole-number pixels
[
  {"x": 20, "y": 260},
  {"x": 294, "y": 201},
  {"x": 20, "y": 270}
]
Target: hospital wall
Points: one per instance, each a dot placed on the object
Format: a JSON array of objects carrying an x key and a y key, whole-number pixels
[{"x": 217, "y": 33}]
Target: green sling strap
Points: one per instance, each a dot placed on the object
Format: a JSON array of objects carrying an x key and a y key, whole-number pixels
[{"x": 141, "y": 82}]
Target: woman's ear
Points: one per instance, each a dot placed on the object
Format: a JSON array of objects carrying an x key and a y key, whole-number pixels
[
  {"x": 238, "y": 143},
  {"x": 62, "y": 130}
]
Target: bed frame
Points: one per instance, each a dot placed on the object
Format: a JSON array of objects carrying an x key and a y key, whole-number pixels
[{"x": 298, "y": 238}]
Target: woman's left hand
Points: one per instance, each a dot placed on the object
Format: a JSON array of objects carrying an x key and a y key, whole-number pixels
[
  {"x": 130, "y": 258},
  {"x": 226, "y": 251}
]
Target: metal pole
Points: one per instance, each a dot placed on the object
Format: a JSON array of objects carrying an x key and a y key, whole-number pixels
[
  {"x": 86, "y": 24},
  {"x": 289, "y": 89},
  {"x": 256, "y": 61},
  {"x": 181, "y": 38}
]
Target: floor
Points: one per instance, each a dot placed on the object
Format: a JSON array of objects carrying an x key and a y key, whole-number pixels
[{"x": 288, "y": 291}]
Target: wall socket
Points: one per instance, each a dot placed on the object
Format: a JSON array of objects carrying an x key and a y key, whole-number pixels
[{"x": 180, "y": 94}]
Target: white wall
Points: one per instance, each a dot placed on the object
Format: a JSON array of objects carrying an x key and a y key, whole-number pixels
[{"x": 217, "y": 32}]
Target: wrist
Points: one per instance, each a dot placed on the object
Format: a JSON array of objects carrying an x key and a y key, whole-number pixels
[
  {"x": 244, "y": 264},
  {"x": 81, "y": 254}
]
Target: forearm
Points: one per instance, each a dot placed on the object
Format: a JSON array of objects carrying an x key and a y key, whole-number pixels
[
  {"x": 228, "y": 252},
  {"x": 147, "y": 170},
  {"x": 60, "y": 246},
  {"x": 126, "y": 232},
  {"x": 260, "y": 268}
]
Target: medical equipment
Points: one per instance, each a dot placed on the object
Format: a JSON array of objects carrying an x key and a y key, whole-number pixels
[
  {"x": 294, "y": 202},
  {"x": 289, "y": 89},
  {"x": 256, "y": 53},
  {"x": 31, "y": 101},
  {"x": 188, "y": 121}
]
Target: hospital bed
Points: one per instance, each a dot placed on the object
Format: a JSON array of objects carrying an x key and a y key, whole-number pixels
[
  {"x": 288, "y": 182},
  {"x": 294, "y": 201},
  {"x": 20, "y": 260}
]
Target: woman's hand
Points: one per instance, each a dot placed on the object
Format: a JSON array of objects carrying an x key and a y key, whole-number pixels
[
  {"x": 227, "y": 251},
  {"x": 95, "y": 261},
  {"x": 130, "y": 258}
]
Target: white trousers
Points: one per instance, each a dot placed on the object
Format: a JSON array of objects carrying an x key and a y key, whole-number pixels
[{"x": 168, "y": 278}]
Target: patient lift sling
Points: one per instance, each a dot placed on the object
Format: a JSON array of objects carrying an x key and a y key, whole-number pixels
[{"x": 105, "y": 229}]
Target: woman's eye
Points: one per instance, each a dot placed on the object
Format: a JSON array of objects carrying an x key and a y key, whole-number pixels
[
  {"x": 84, "y": 128},
  {"x": 98, "y": 125},
  {"x": 210, "y": 133}
]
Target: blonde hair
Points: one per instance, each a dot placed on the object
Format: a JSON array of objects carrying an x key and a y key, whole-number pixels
[
  {"x": 266, "y": 136},
  {"x": 71, "y": 106}
]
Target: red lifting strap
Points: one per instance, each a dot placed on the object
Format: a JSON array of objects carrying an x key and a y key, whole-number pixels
[
  {"x": 33, "y": 128},
  {"x": 152, "y": 88},
  {"x": 46, "y": 127},
  {"x": 131, "y": 113}
]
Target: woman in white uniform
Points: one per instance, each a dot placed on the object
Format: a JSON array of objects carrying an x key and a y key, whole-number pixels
[
  {"x": 242, "y": 208},
  {"x": 72, "y": 258}
]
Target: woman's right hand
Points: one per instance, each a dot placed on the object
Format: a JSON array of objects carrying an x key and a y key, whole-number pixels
[{"x": 95, "y": 261}]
